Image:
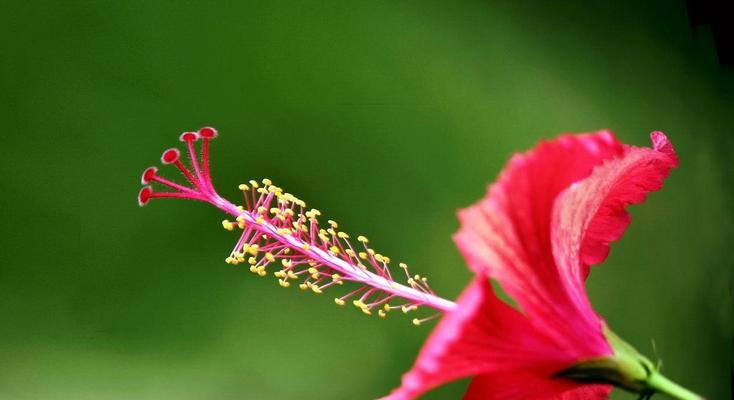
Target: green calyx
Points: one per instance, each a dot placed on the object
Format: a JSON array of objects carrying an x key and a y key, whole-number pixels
[{"x": 627, "y": 369}]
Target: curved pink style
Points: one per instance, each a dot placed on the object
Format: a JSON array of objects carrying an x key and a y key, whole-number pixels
[{"x": 550, "y": 216}]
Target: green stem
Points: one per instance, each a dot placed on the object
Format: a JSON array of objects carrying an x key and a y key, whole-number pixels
[
  {"x": 664, "y": 385},
  {"x": 626, "y": 368}
]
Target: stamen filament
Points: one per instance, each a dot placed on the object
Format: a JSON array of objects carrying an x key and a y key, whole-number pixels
[{"x": 336, "y": 263}]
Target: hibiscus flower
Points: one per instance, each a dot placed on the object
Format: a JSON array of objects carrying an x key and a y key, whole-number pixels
[
  {"x": 548, "y": 219},
  {"x": 550, "y": 216}
]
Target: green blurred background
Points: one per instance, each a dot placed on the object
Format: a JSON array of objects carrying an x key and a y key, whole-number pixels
[{"x": 387, "y": 116}]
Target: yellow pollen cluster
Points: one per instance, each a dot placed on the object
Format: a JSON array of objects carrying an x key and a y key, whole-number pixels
[{"x": 278, "y": 232}]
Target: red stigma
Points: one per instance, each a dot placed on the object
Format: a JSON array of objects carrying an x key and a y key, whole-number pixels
[
  {"x": 189, "y": 136},
  {"x": 208, "y": 133},
  {"x": 170, "y": 156},
  {"x": 195, "y": 169},
  {"x": 148, "y": 175},
  {"x": 144, "y": 195}
]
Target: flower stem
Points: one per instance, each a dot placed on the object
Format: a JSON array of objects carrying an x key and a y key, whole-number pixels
[
  {"x": 664, "y": 385},
  {"x": 626, "y": 368}
]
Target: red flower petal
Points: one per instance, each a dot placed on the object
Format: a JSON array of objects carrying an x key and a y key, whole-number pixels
[
  {"x": 592, "y": 213},
  {"x": 587, "y": 392},
  {"x": 483, "y": 335},
  {"x": 507, "y": 235},
  {"x": 521, "y": 385},
  {"x": 551, "y": 214}
]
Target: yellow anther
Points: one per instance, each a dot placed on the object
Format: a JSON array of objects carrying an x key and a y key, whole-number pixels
[
  {"x": 331, "y": 231},
  {"x": 284, "y": 231},
  {"x": 316, "y": 289},
  {"x": 362, "y": 239},
  {"x": 315, "y": 276},
  {"x": 350, "y": 252},
  {"x": 262, "y": 191},
  {"x": 283, "y": 283},
  {"x": 362, "y": 266},
  {"x": 260, "y": 220},
  {"x": 229, "y": 260},
  {"x": 417, "y": 277},
  {"x": 275, "y": 210},
  {"x": 306, "y": 246},
  {"x": 286, "y": 262},
  {"x": 335, "y": 277},
  {"x": 279, "y": 274},
  {"x": 313, "y": 270},
  {"x": 339, "y": 301},
  {"x": 269, "y": 256},
  {"x": 366, "y": 311},
  {"x": 371, "y": 252},
  {"x": 342, "y": 235},
  {"x": 333, "y": 224},
  {"x": 262, "y": 272},
  {"x": 381, "y": 313},
  {"x": 386, "y": 307},
  {"x": 386, "y": 259},
  {"x": 403, "y": 266},
  {"x": 315, "y": 212},
  {"x": 289, "y": 211},
  {"x": 411, "y": 281},
  {"x": 227, "y": 225},
  {"x": 253, "y": 268},
  {"x": 324, "y": 238},
  {"x": 252, "y": 260},
  {"x": 252, "y": 249},
  {"x": 359, "y": 303},
  {"x": 363, "y": 255},
  {"x": 287, "y": 250},
  {"x": 378, "y": 258},
  {"x": 240, "y": 209},
  {"x": 303, "y": 286},
  {"x": 416, "y": 321},
  {"x": 267, "y": 182},
  {"x": 334, "y": 249},
  {"x": 292, "y": 275},
  {"x": 244, "y": 187},
  {"x": 254, "y": 184}
]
